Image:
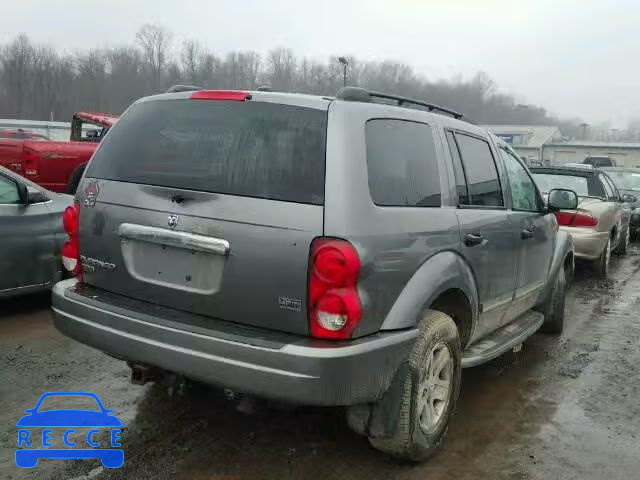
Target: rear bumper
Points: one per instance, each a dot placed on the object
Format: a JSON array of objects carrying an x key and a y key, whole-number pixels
[
  {"x": 588, "y": 245},
  {"x": 303, "y": 370}
]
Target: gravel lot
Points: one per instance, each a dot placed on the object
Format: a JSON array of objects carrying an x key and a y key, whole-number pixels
[{"x": 562, "y": 408}]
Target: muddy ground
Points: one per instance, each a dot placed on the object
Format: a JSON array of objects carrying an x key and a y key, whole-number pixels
[{"x": 562, "y": 408}]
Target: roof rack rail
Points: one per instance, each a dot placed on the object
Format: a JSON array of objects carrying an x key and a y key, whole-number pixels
[
  {"x": 356, "y": 94},
  {"x": 182, "y": 88}
]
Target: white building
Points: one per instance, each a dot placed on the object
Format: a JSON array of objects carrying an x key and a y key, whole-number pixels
[
  {"x": 545, "y": 144},
  {"x": 625, "y": 154},
  {"x": 526, "y": 140}
]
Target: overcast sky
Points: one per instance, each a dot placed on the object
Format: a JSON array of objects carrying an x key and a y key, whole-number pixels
[{"x": 575, "y": 57}]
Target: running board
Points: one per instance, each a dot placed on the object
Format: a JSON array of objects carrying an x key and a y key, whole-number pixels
[{"x": 502, "y": 340}]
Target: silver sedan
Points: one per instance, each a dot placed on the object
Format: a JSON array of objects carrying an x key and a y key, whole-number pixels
[{"x": 31, "y": 235}]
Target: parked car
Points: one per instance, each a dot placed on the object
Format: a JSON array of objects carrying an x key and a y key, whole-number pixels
[
  {"x": 600, "y": 223},
  {"x": 322, "y": 251},
  {"x": 11, "y": 146},
  {"x": 627, "y": 180},
  {"x": 31, "y": 235},
  {"x": 55, "y": 165},
  {"x": 599, "y": 161}
]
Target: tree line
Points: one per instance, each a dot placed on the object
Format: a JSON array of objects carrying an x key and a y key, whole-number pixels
[{"x": 39, "y": 82}]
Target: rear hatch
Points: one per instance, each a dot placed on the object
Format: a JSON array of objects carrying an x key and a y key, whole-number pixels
[{"x": 208, "y": 206}]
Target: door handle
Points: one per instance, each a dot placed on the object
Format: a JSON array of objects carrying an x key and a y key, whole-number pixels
[
  {"x": 527, "y": 233},
  {"x": 473, "y": 239}
]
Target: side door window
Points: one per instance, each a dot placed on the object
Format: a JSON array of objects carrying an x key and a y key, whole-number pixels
[
  {"x": 8, "y": 192},
  {"x": 480, "y": 171},
  {"x": 402, "y": 164},
  {"x": 524, "y": 195},
  {"x": 607, "y": 188}
]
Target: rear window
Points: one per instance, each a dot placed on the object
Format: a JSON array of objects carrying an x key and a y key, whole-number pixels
[
  {"x": 547, "y": 182},
  {"x": 402, "y": 164},
  {"x": 251, "y": 149}
]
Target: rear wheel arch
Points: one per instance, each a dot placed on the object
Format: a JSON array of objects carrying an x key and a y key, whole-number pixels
[
  {"x": 441, "y": 280},
  {"x": 455, "y": 303}
]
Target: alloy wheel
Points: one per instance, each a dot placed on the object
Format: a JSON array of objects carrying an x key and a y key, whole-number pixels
[{"x": 434, "y": 389}]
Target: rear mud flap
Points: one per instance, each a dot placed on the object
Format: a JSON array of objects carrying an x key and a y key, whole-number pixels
[{"x": 384, "y": 414}]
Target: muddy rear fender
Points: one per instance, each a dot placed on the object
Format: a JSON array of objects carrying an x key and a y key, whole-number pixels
[{"x": 440, "y": 273}]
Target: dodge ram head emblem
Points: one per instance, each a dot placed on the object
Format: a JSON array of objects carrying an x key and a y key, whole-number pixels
[{"x": 173, "y": 221}]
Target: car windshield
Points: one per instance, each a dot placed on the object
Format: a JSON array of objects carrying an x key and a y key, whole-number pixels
[
  {"x": 547, "y": 182},
  {"x": 625, "y": 180},
  {"x": 67, "y": 402}
]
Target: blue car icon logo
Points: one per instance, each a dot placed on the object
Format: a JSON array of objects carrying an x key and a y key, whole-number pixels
[{"x": 68, "y": 425}]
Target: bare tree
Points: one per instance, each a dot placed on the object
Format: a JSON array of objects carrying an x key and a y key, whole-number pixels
[
  {"x": 38, "y": 80},
  {"x": 17, "y": 61},
  {"x": 281, "y": 69},
  {"x": 155, "y": 43},
  {"x": 191, "y": 58}
]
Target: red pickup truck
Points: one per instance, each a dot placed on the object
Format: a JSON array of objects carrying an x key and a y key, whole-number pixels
[{"x": 55, "y": 165}]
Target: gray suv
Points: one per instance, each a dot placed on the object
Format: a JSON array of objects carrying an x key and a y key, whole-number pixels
[{"x": 357, "y": 250}]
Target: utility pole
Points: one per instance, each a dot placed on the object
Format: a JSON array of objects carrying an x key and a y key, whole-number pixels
[
  {"x": 345, "y": 63},
  {"x": 584, "y": 130}
]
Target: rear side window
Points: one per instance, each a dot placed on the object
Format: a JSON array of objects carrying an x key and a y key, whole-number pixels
[
  {"x": 402, "y": 164},
  {"x": 461, "y": 181},
  {"x": 480, "y": 170},
  {"x": 252, "y": 149}
]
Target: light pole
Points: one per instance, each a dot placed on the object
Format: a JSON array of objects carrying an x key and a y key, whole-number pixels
[
  {"x": 584, "y": 130},
  {"x": 344, "y": 63}
]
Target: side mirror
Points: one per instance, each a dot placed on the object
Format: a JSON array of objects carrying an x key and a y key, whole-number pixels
[
  {"x": 626, "y": 198},
  {"x": 561, "y": 199},
  {"x": 35, "y": 196},
  {"x": 23, "y": 193}
]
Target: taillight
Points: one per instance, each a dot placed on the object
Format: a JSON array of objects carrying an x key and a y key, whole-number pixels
[
  {"x": 236, "y": 95},
  {"x": 71, "y": 248},
  {"x": 30, "y": 162},
  {"x": 334, "y": 305},
  {"x": 576, "y": 219}
]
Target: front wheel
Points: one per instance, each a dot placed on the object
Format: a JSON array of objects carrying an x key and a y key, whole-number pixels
[
  {"x": 621, "y": 249},
  {"x": 554, "y": 310},
  {"x": 429, "y": 391},
  {"x": 601, "y": 265}
]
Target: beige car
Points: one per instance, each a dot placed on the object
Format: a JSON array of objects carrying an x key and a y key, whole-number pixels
[{"x": 600, "y": 224}]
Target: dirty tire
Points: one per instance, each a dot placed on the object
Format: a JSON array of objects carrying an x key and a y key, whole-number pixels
[
  {"x": 621, "y": 249},
  {"x": 410, "y": 441},
  {"x": 601, "y": 265},
  {"x": 554, "y": 313},
  {"x": 74, "y": 179}
]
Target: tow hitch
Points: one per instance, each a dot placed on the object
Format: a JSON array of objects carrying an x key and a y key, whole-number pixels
[{"x": 141, "y": 374}]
